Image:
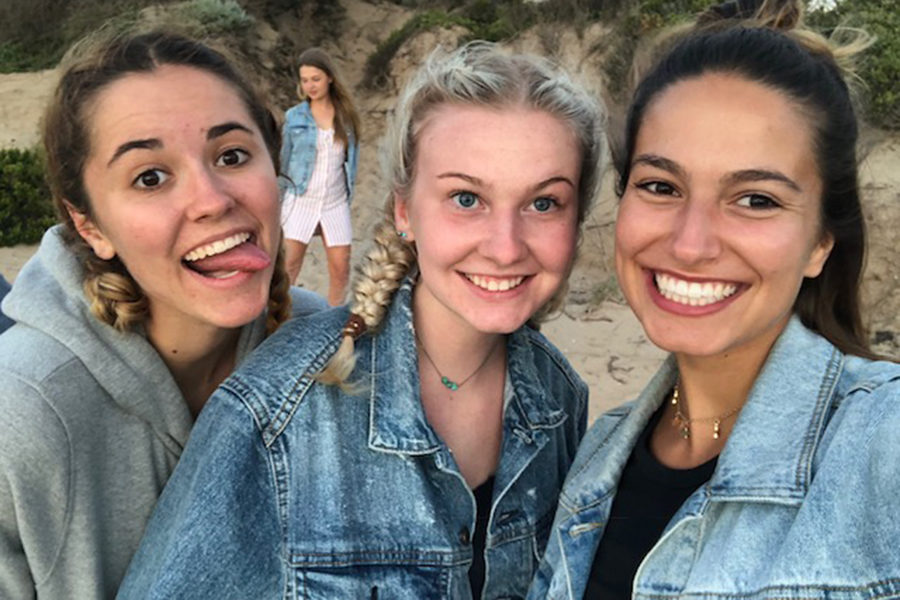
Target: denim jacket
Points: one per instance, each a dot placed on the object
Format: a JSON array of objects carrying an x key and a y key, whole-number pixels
[
  {"x": 804, "y": 502},
  {"x": 298, "y": 150},
  {"x": 293, "y": 489}
]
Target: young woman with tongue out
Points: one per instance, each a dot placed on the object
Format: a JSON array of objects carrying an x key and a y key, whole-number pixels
[
  {"x": 163, "y": 276},
  {"x": 412, "y": 444},
  {"x": 762, "y": 461}
]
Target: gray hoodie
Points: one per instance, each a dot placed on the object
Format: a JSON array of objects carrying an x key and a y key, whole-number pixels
[{"x": 91, "y": 426}]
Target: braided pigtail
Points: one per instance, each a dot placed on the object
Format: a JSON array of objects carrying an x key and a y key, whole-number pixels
[
  {"x": 279, "y": 305},
  {"x": 378, "y": 277},
  {"x": 114, "y": 296}
]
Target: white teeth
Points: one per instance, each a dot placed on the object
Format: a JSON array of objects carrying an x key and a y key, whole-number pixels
[
  {"x": 693, "y": 293},
  {"x": 493, "y": 284},
  {"x": 217, "y": 247},
  {"x": 222, "y": 274}
]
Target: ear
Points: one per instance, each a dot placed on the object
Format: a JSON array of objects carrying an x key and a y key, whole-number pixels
[
  {"x": 401, "y": 217},
  {"x": 818, "y": 256},
  {"x": 90, "y": 233}
]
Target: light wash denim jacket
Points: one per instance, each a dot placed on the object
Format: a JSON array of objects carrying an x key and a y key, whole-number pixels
[
  {"x": 298, "y": 150},
  {"x": 804, "y": 502},
  {"x": 292, "y": 489}
]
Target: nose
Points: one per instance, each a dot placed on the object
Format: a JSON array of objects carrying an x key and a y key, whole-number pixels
[
  {"x": 695, "y": 238},
  {"x": 207, "y": 195},
  {"x": 504, "y": 239}
]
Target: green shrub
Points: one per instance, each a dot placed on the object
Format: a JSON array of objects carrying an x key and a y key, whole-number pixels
[
  {"x": 25, "y": 207},
  {"x": 213, "y": 17},
  {"x": 379, "y": 62},
  {"x": 880, "y": 64}
]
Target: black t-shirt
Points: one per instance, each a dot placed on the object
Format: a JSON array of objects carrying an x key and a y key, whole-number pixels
[
  {"x": 648, "y": 496},
  {"x": 484, "y": 495}
]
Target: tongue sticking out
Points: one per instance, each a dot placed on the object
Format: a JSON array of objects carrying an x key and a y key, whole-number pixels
[{"x": 245, "y": 257}]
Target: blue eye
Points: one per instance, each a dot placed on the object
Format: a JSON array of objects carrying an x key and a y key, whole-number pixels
[
  {"x": 757, "y": 201},
  {"x": 544, "y": 204},
  {"x": 150, "y": 178},
  {"x": 465, "y": 199},
  {"x": 232, "y": 157}
]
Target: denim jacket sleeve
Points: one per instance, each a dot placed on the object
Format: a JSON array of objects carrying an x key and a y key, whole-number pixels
[{"x": 200, "y": 542}]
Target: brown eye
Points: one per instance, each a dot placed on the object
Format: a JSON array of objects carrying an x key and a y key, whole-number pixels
[
  {"x": 232, "y": 158},
  {"x": 150, "y": 178}
]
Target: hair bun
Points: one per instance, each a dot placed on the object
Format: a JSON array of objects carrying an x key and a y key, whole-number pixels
[{"x": 777, "y": 14}]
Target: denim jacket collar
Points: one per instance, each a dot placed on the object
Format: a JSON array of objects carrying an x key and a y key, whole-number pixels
[
  {"x": 397, "y": 417},
  {"x": 772, "y": 464}
]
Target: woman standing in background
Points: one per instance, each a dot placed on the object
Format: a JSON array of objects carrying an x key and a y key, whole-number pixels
[{"x": 318, "y": 156}]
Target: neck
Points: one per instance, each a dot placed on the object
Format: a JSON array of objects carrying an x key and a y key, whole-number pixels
[
  {"x": 456, "y": 348},
  {"x": 709, "y": 387},
  {"x": 199, "y": 358}
]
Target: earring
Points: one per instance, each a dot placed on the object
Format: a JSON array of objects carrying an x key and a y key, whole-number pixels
[{"x": 402, "y": 234}]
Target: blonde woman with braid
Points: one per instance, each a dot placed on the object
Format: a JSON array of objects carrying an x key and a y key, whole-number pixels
[
  {"x": 163, "y": 276},
  {"x": 413, "y": 445}
]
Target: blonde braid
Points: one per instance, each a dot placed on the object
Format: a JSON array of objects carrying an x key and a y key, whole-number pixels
[
  {"x": 114, "y": 296},
  {"x": 378, "y": 277},
  {"x": 279, "y": 304}
]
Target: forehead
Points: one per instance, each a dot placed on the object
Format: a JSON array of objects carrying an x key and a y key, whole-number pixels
[
  {"x": 726, "y": 120},
  {"x": 145, "y": 104},
  {"x": 311, "y": 71},
  {"x": 471, "y": 135}
]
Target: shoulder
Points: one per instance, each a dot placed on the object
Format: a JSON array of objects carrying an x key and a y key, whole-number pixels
[
  {"x": 859, "y": 446},
  {"x": 305, "y": 302},
  {"x": 297, "y": 113},
  {"x": 292, "y": 355},
  {"x": 551, "y": 365}
]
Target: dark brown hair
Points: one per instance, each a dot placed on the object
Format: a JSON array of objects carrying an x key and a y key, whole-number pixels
[{"x": 765, "y": 42}]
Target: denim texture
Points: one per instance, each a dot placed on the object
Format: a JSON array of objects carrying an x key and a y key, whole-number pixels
[
  {"x": 803, "y": 503},
  {"x": 91, "y": 426},
  {"x": 292, "y": 489},
  {"x": 5, "y": 322},
  {"x": 298, "y": 150}
]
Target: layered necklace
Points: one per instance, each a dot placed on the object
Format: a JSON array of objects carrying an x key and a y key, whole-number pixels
[
  {"x": 683, "y": 422},
  {"x": 448, "y": 383}
]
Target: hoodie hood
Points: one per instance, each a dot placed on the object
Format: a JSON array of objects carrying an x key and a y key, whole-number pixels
[{"x": 47, "y": 295}]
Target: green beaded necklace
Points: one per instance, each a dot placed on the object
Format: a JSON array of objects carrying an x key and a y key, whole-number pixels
[{"x": 449, "y": 383}]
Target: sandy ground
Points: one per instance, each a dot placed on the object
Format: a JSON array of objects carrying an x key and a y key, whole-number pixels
[{"x": 599, "y": 334}]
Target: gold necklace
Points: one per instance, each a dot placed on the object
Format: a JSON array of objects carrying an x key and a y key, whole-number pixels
[
  {"x": 446, "y": 381},
  {"x": 684, "y": 423}
]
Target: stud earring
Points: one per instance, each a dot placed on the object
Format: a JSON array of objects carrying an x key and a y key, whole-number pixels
[{"x": 402, "y": 234}]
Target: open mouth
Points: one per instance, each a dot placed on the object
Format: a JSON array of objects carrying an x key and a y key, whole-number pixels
[
  {"x": 227, "y": 257},
  {"x": 693, "y": 293},
  {"x": 496, "y": 284}
]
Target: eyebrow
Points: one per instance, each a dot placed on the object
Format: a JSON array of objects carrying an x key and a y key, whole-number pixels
[
  {"x": 762, "y": 175},
  {"x": 476, "y": 181},
  {"x": 154, "y": 143},
  {"x": 149, "y": 144},
  {"x": 744, "y": 175}
]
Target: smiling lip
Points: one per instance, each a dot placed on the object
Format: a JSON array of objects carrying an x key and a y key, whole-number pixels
[
  {"x": 490, "y": 283},
  {"x": 691, "y": 296}
]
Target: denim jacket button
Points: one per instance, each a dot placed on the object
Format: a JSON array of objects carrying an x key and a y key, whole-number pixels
[{"x": 464, "y": 537}]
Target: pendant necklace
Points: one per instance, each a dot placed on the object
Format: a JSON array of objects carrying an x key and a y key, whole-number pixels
[
  {"x": 684, "y": 423},
  {"x": 446, "y": 381}
]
